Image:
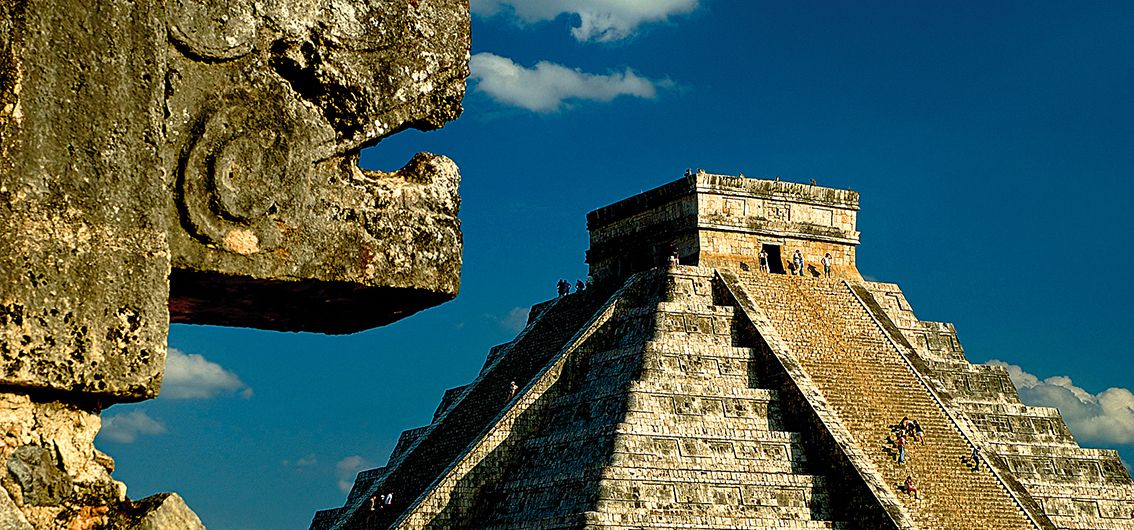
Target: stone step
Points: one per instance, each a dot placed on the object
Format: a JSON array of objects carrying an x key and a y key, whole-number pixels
[
  {"x": 788, "y": 481},
  {"x": 697, "y": 307},
  {"x": 695, "y": 388},
  {"x": 638, "y": 521},
  {"x": 658, "y": 345},
  {"x": 723, "y": 435},
  {"x": 651, "y": 466},
  {"x": 694, "y": 426},
  {"x": 1080, "y": 521},
  {"x": 725, "y": 505}
]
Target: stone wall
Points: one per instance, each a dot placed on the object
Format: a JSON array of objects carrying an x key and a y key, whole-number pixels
[
  {"x": 661, "y": 222},
  {"x": 741, "y": 251},
  {"x": 722, "y": 220}
]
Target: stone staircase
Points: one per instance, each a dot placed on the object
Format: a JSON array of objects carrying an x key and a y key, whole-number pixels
[
  {"x": 869, "y": 384},
  {"x": 669, "y": 432},
  {"x": 1076, "y": 488}
]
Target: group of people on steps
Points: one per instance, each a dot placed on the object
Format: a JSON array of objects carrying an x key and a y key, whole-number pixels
[
  {"x": 902, "y": 434},
  {"x": 910, "y": 431},
  {"x": 563, "y": 287},
  {"x": 798, "y": 263}
]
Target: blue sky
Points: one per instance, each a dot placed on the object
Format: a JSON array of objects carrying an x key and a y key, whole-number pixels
[{"x": 992, "y": 144}]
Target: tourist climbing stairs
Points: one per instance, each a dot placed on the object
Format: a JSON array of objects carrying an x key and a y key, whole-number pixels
[{"x": 871, "y": 388}]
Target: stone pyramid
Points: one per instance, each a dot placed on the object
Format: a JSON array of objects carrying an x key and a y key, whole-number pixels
[{"x": 711, "y": 394}]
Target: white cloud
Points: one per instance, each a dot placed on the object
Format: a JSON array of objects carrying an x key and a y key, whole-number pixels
[
  {"x": 548, "y": 86},
  {"x": 191, "y": 376},
  {"x": 347, "y": 468},
  {"x": 515, "y": 320},
  {"x": 597, "y": 20},
  {"x": 127, "y": 426},
  {"x": 1103, "y": 418}
]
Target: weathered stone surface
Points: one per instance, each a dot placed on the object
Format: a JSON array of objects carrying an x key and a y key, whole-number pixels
[
  {"x": 197, "y": 162},
  {"x": 164, "y": 511},
  {"x": 266, "y": 113},
  {"x": 84, "y": 264},
  {"x": 720, "y": 396},
  {"x": 63, "y": 434},
  {"x": 38, "y": 475}
]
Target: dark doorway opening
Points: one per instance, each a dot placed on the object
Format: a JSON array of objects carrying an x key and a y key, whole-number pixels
[{"x": 775, "y": 263}]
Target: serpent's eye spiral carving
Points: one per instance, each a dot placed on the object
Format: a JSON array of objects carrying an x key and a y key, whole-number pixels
[
  {"x": 238, "y": 174},
  {"x": 213, "y": 30}
]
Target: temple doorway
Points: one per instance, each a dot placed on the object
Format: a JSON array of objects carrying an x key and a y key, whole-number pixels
[{"x": 775, "y": 263}]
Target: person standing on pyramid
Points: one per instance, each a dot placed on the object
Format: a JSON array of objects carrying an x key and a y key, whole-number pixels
[
  {"x": 827, "y": 265},
  {"x": 764, "y": 261},
  {"x": 797, "y": 259}
]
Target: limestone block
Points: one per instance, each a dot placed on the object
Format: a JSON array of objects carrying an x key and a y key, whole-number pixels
[
  {"x": 165, "y": 511},
  {"x": 84, "y": 265},
  {"x": 53, "y": 472}
]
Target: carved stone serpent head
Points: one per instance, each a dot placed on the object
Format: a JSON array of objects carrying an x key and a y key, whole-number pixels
[{"x": 197, "y": 161}]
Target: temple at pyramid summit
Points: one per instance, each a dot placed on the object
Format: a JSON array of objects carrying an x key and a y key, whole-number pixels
[{"x": 696, "y": 386}]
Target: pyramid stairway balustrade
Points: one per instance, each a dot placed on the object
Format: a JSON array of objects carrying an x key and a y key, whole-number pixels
[
  {"x": 865, "y": 379},
  {"x": 1077, "y": 488}
]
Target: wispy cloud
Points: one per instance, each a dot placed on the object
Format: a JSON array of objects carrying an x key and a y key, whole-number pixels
[
  {"x": 596, "y": 20},
  {"x": 126, "y": 427},
  {"x": 550, "y": 87},
  {"x": 515, "y": 320},
  {"x": 1103, "y": 418},
  {"x": 347, "y": 468},
  {"x": 301, "y": 462},
  {"x": 191, "y": 376}
]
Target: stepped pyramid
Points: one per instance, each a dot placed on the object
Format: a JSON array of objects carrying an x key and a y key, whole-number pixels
[{"x": 710, "y": 394}]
